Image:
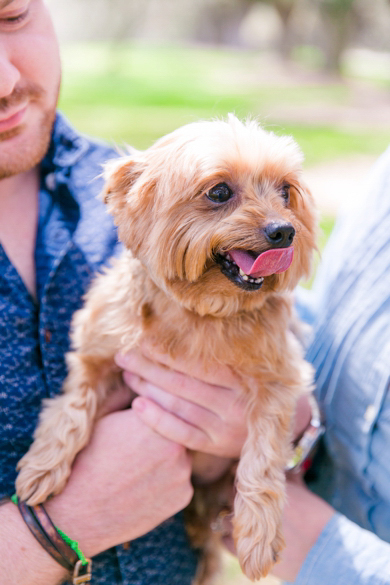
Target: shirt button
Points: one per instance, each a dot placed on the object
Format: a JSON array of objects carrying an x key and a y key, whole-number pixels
[
  {"x": 47, "y": 335},
  {"x": 50, "y": 181},
  {"x": 370, "y": 413},
  {"x": 58, "y": 235}
]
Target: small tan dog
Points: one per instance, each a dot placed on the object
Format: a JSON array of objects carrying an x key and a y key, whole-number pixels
[{"x": 218, "y": 228}]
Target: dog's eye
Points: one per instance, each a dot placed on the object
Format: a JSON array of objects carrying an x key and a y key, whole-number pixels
[
  {"x": 220, "y": 193},
  {"x": 286, "y": 192}
]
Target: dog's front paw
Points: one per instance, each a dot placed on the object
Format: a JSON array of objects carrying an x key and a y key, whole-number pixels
[
  {"x": 35, "y": 484},
  {"x": 258, "y": 534},
  {"x": 257, "y": 556}
]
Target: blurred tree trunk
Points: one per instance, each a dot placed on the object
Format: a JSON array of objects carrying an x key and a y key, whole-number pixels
[
  {"x": 219, "y": 21},
  {"x": 336, "y": 16},
  {"x": 285, "y": 9}
]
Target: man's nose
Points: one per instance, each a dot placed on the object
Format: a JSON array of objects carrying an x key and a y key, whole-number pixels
[{"x": 9, "y": 73}]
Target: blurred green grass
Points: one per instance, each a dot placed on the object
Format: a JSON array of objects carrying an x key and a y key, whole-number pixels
[
  {"x": 326, "y": 226},
  {"x": 134, "y": 94}
]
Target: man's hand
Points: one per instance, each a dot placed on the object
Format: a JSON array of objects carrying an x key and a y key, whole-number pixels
[
  {"x": 295, "y": 486},
  {"x": 123, "y": 484},
  {"x": 202, "y": 410},
  {"x": 305, "y": 514},
  {"x": 126, "y": 482}
]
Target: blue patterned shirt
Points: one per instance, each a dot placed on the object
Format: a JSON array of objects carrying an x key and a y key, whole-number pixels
[{"x": 75, "y": 238}]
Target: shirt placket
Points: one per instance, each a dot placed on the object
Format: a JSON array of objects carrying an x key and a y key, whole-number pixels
[{"x": 67, "y": 283}]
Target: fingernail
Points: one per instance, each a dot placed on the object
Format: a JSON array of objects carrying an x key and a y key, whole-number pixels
[
  {"x": 149, "y": 350},
  {"x": 123, "y": 359},
  {"x": 120, "y": 359},
  {"x": 130, "y": 378},
  {"x": 139, "y": 404}
]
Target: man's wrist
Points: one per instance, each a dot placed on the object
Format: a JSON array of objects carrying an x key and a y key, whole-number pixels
[
  {"x": 76, "y": 524},
  {"x": 305, "y": 517},
  {"x": 302, "y": 416},
  {"x": 23, "y": 559}
]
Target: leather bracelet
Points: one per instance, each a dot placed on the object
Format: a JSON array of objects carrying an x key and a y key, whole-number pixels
[
  {"x": 50, "y": 538},
  {"x": 40, "y": 535},
  {"x": 68, "y": 554},
  {"x": 37, "y": 531}
]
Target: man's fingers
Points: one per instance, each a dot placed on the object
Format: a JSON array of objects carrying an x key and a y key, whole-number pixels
[
  {"x": 170, "y": 426},
  {"x": 302, "y": 416},
  {"x": 173, "y": 381},
  {"x": 120, "y": 399},
  {"x": 184, "y": 409},
  {"x": 221, "y": 376}
]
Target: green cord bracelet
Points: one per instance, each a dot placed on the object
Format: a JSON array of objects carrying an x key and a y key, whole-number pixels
[{"x": 74, "y": 545}]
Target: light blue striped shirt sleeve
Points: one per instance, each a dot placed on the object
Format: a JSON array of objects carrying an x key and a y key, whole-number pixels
[
  {"x": 349, "y": 310},
  {"x": 346, "y": 554}
]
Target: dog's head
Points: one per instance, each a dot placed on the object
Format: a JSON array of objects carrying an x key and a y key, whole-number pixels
[{"x": 217, "y": 212}]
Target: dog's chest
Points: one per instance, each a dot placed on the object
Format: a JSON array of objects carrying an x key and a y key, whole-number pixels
[{"x": 249, "y": 343}]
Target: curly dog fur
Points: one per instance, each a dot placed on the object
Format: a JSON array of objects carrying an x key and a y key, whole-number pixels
[{"x": 169, "y": 287}]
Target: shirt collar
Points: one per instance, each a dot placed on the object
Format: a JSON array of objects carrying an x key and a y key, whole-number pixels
[
  {"x": 68, "y": 175},
  {"x": 66, "y": 145},
  {"x": 66, "y": 149}
]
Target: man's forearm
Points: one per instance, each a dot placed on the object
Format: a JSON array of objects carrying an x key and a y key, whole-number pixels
[
  {"x": 305, "y": 516},
  {"x": 22, "y": 559}
]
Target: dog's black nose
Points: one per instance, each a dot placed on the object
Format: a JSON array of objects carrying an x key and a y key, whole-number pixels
[{"x": 279, "y": 234}]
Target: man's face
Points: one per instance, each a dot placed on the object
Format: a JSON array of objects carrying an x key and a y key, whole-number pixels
[{"x": 29, "y": 83}]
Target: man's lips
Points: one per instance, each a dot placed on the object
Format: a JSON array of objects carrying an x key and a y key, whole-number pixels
[{"x": 14, "y": 119}]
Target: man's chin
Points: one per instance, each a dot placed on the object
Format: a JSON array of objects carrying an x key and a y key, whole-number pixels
[
  {"x": 4, "y": 136},
  {"x": 24, "y": 148}
]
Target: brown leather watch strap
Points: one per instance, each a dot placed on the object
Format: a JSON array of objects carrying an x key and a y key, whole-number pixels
[{"x": 43, "y": 539}]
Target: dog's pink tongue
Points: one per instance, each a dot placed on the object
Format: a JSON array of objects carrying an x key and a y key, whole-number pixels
[{"x": 269, "y": 262}]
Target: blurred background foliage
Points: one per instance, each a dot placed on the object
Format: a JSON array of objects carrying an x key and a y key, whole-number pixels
[
  {"x": 329, "y": 27},
  {"x": 132, "y": 93},
  {"x": 316, "y": 69}
]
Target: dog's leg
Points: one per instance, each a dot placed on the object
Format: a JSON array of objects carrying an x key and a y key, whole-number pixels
[
  {"x": 206, "y": 505},
  {"x": 64, "y": 428},
  {"x": 260, "y": 486},
  {"x": 111, "y": 319}
]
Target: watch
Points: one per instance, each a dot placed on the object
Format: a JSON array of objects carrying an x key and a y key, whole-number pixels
[{"x": 304, "y": 448}]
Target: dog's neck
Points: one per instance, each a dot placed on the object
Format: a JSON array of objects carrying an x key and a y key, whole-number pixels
[
  {"x": 185, "y": 296},
  {"x": 182, "y": 297},
  {"x": 238, "y": 339}
]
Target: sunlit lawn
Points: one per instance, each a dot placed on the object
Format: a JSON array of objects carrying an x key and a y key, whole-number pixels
[
  {"x": 232, "y": 574},
  {"x": 135, "y": 94}
]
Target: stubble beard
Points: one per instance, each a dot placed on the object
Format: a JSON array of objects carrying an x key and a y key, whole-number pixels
[{"x": 34, "y": 148}]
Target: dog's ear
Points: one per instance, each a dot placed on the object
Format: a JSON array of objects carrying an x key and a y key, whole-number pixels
[
  {"x": 119, "y": 175},
  {"x": 127, "y": 192},
  {"x": 305, "y": 210}
]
